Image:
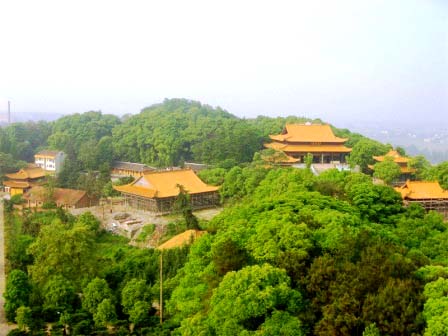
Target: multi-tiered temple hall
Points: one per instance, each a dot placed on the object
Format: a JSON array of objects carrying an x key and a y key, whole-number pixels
[{"x": 297, "y": 140}]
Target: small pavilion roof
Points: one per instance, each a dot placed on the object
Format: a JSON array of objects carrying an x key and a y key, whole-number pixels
[
  {"x": 421, "y": 190},
  {"x": 165, "y": 184},
  {"x": 27, "y": 173},
  {"x": 183, "y": 239},
  {"x": 307, "y": 133},
  {"x": 397, "y": 157}
]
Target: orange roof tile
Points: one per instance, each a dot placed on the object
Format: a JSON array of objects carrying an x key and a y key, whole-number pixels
[
  {"x": 394, "y": 155},
  {"x": 16, "y": 184},
  {"x": 165, "y": 184},
  {"x": 47, "y": 153},
  {"x": 27, "y": 173},
  {"x": 287, "y": 159},
  {"x": 139, "y": 191},
  {"x": 60, "y": 195},
  {"x": 420, "y": 190},
  {"x": 307, "y": 133},
  {"x": 185, "y": 238},
  {"x": 308, "y": 148}
]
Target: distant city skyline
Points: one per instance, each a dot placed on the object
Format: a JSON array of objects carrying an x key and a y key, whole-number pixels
[{"x": 343, "y": 62}]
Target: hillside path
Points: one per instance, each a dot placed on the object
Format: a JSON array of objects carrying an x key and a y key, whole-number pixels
[{"x": 4, "y": 327}]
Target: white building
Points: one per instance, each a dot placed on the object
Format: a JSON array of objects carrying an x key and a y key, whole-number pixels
[{"x": 50, "y": 161}]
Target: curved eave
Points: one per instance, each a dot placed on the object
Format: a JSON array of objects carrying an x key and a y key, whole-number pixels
[
  {"x": 149, "y": 193},
  {"x": 395, "y": 159}
]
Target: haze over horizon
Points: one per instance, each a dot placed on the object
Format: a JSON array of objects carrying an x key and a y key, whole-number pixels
[{"x": 343, "y": 62}]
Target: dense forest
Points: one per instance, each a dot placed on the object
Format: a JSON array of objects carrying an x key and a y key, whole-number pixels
[{"x": 291, "y": 253}]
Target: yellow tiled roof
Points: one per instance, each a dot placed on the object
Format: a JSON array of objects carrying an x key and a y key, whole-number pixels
[
  {"x": 393, "y": 154},
  {"x": 416, "y": 190},
  {"x": 139, "y": 191},
  {"x": 165, "y": 184},
  {"x": 289, "y": 159},
  {"x": 307, "y": 133},
  {"x": 27, "y": 173},
  {"x": 308, "y": 148},
  {"x": 185, "y": 238},
  {"x": 16, "y": 184}
]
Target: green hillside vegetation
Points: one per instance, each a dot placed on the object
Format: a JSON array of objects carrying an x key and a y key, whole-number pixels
[
  {"x": 290, "y": 254},
  {"x": 312, "y": 263},
  {"x": 67, "y": 272},
  {"x": 296, "y": 255}
]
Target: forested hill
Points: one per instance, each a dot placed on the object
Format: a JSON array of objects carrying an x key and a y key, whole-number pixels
[
  {"x": 180, "y": 130},
  {"x": 165, "y": 134}
]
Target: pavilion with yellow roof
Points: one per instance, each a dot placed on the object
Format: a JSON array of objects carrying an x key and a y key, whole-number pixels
[
  {"x": 23, "y": 180},
  {"x": 429, "y": 194},
  {"x": 157, "y": 191},
  {"x": 297, "y": 140},
  {"x": 181, "y": 240},
  {"x": 401, "y": 161}
]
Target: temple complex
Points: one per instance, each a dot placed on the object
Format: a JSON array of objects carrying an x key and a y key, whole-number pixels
[
  {"x": 23, "y": 180},
  {"x": 429, "y": 194},
  {"x": 298, "y": 140},
  {"x": 157, "y": 191}
]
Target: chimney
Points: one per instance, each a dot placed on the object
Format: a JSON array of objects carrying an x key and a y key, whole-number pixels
[{"x": 9, "y": 112}]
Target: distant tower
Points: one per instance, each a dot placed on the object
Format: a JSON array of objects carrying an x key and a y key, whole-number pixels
[{"x": 9, "y": 112}]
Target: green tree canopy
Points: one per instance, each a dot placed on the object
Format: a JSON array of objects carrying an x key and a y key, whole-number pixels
[
  {"x": 17, "y": 293},
  {"x": 105, "y": 314},
  {"x": 64, "y": 251},
  {"x": 134, "y": 291},
  {"x": 387, "y": 170},
  {"x": 421, "y": 166},
  {"x": 24, "y": 317},
  {"x": 251, "y": 299},
  {"x": 58, "y": 294},
  {"x": 180, "y": 130},
  {"x": 363, "y": 152},
  {"x": 94, "y": 293}
]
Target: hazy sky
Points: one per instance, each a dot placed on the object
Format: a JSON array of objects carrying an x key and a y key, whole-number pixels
[{"x": 338, "y": 60}]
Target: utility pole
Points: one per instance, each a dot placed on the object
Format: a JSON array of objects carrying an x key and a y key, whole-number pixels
[{"x": 161, "y": 287}]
